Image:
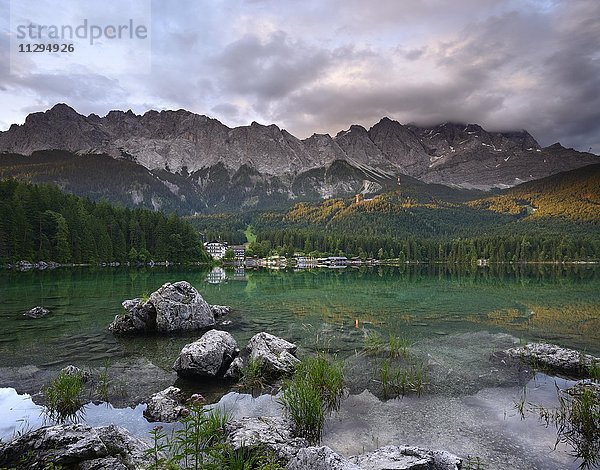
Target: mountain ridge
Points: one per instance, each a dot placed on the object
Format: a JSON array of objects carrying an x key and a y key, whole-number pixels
[
  {"x": 184, "y": 141},
  {"x": 193, "y": 163}
]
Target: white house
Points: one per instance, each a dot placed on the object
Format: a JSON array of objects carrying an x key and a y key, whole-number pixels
[{"x": 216, "y": 249}]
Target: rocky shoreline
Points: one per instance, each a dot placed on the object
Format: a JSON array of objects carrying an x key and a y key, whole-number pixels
[{"x": 216, "y": 356}]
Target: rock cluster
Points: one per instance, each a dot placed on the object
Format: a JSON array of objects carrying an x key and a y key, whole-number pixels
[
  {"x": 275, "y": 434},
  {"x": 216, "y": 354},
  {"x": 173, "y": 307},
  {"x": 76, "y": 446},
  {"x": 554, "y": 358}
]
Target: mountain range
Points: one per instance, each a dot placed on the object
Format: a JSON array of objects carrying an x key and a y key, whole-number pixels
[{"x": 185, "y": 162}]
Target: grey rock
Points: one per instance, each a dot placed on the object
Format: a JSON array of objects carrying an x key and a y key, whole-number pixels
[
  {"x": 209, "y": 356},
  {"x": 166, "y": 406},
  {"x": 274, "y": 434},
  {"x": 173, "y": 307},
  {"x": 37, "y": 312},
  {"x": 183, "y": 143},
  {"x": 235, "y": 370},
  {"x": 180, "y": 307},
  {"x": 553, "y": 357},
  {"x": 320, "y": 458},
  {"x": 76, "y": 446},
  {"x": 406, "y": 458},
  {"x": 72, "y": 370},
  {"x": 275, "y": 355},
  {"x": 220, "y": 310}
]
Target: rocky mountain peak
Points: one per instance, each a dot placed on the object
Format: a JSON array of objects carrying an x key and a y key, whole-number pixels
[{"x": 184, "y": 142}]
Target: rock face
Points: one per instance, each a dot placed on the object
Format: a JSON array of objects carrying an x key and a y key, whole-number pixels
[
  {"x": 198, "y": 163},
  {"x": 76, "y": 446},
  {"x": 166, "y": 406},
  {"x": 37, "y": 312},
  {"x": 210, "y": 356},
  {"x": 173, "y": 307},
  {"x": 406, "y": 458},
  {"x": 273, "y": 433},
  {"x": 275, "y": 355},
  {"x": 321, "y": 458},
  {"x": 555, "y": 358}
]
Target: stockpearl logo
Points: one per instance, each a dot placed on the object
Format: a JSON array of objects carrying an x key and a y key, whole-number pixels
[{"x": 85, "y": 37}]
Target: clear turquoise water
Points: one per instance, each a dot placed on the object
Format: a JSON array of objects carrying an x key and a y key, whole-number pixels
[{"x": 318, "y": 307}]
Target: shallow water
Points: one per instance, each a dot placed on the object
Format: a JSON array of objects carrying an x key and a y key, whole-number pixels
[
  {"x": 326, "y": 306},
  {"x": 455, "y": 318}
]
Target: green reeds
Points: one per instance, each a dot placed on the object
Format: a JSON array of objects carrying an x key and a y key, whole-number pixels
[
  {"x": 63, "y": 397},
  {"x": 315, "y": 389}
]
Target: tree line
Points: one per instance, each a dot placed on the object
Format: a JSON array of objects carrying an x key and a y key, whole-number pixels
[
  {"x": 494, "y": 248},
  {"x": 42, "y": 223}
]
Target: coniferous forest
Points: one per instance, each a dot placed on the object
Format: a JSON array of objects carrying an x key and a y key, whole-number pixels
[{"x": 42, "y": 223}]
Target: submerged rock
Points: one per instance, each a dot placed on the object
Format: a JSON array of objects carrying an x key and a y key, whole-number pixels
[
  {"x": 166, "y": 406},
  {"x": 76, "y": 446},
  {"x": 275, "y": 355},
  {"x": 321, "y": 458},
  {"x": 173, "y": 307},
  {"x": 407, "y": 458},
  {"x": 209, "y": 356},
  {"x": 554, "y": 358},
  {"x": 37, "y": 312},
  {"x": 220, "y": 310},
  {"x": 272, "y": 433}
]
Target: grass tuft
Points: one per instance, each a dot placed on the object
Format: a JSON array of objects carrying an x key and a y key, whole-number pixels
[
  {"x": 63, "y": 397},
  {"x": 315, "y": 389}
]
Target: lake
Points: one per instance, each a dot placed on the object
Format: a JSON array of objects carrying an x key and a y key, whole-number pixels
[{"x": 454, "y": 318}]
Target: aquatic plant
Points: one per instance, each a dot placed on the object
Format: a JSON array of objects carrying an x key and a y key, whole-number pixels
[
  {"x": 577, "y": 421},
  {"x": 399, "y": 381},
  {"x": 102, "y": 387},
  {"x": 373, "y": 344},
  {"x": 398, "y": 346},
  {"x": 201, "y": 443},
  {"x": 63, "y": 397},
  {"x": 253, "y": 375},
  {"x": 316, "y": 388},
  {"x": 325, "y": 375},
  {"x": 473, "y": 463},
  {"x": 303, "y": 405}
]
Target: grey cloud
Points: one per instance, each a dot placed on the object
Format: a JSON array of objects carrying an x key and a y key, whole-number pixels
[
  {"x": 227, "y": 110},
  {"x": 503, "y": 64},
  {"x": 268, "y": 69}
]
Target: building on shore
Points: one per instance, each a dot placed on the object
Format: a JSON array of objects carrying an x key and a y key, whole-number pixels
[{"x": 216, "y": 249}]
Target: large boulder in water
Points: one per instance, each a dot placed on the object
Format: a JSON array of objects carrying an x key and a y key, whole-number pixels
[
  {"x": 274, "y": 355},
  {"x": 76, "y": 446},
  {"x": 210, "y": 356},
  {"x": 173, "y": 307}
]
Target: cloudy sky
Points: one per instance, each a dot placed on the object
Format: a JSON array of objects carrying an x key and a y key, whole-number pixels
[{"x": 321, "y": 65}]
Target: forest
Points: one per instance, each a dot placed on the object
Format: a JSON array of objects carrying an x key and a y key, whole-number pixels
[
  {"x": 552, "y": 219},
  {"x": 42, "y": 223}
]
